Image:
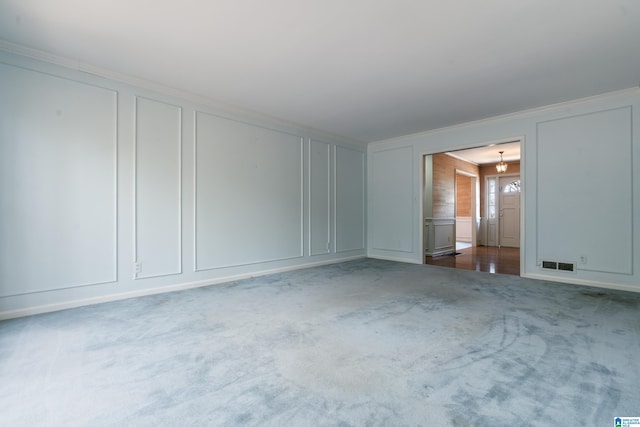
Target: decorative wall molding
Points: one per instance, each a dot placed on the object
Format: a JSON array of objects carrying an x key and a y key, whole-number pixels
[
  {"x": 120, "y": 200},
  {"x": 50, "y": 58},
  {"x": 253, "y": 136},
  {"x": 613, "y": 191},
  {"x": 12, "y": 314},
  {"x": 61, "y": 274},
  {"x": 398, "y": 174},
  {"x": 510, "y": 116},
  {"x": 439, "y": 236},
  {"x": 440, "y": 220},
  {"x": 327, "y": 174},
  {"x": 463, "y": 229},
  {"x": 136, "y": 194},
  {"x": 337, "y": 218}
]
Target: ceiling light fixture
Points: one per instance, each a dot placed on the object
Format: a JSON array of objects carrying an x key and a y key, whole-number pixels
[{"x": 502, "y": 166}]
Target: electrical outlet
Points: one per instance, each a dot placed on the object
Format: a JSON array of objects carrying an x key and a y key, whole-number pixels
[
  {"x": 583, "y": 259},
  {"x": 137, "y": 267}
]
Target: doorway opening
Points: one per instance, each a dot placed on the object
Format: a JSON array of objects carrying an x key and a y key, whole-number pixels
[{"x": 471, "y": 212}]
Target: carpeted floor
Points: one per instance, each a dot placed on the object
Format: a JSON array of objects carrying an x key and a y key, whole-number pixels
[{"x": 366, "y": 342}]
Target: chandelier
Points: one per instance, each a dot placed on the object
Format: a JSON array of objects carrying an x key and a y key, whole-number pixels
[{"x": 502, "y": 166}]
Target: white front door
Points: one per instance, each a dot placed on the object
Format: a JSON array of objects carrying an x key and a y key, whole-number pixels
[{"x": 509, "y": 211}]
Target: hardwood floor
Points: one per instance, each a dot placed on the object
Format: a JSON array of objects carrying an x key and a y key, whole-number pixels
[{"x": 490, "y": 259}]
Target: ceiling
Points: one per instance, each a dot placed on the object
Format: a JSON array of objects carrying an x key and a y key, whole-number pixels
[
  {"x": 367, "y": 70},
  {"x": 490, "y": 154}
]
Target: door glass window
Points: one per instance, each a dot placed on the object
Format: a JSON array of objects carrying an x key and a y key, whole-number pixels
[
  {"x": 512, "y": 187},
  {"x": 491, "y": 198}
]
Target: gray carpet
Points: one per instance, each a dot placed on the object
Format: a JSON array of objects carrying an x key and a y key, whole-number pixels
[{"x": 366, "y": 342}]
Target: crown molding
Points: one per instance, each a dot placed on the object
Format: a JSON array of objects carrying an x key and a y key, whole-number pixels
[
  {"x": 450, "y": 154},
  {"x": 515, "y": 115},
  {"x": 129, "y": 80}
]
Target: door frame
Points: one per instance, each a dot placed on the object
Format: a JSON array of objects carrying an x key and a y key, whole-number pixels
[
  {"x": 421, "y": 159},
  {"x": 474, "y": 205}
]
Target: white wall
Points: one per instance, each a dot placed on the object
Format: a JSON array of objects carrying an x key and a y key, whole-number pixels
[
  {"x": 109, "y": 189},
  {"x": 581, "y": 187}
]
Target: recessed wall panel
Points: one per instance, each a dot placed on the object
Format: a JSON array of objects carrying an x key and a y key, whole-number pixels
[
  {"x": 349, "y": 199},
  {"x": 319, "y": 193},
  {"x": 248, "y": 193},
  {"x": 158, "y": 208},
  {"x": 57, "y": 183},
  {"x": 392, "y": 204},
  {"x": 585, "y": 198}
]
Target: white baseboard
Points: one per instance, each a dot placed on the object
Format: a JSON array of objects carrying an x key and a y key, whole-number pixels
[
  {"x": 591, "y": 283},
  {"x": 389, "y": 258},
  {"x": 30, "y": 311}
]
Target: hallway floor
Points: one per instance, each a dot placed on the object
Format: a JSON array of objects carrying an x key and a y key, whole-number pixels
[{"x": 490, "y": 259}]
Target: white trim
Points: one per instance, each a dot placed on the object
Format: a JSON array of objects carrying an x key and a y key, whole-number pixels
[
  {"x": 137, "y": 276},
  {"x": 465, "y": 173},
  {"x": 195, "y": 190},
  {"x": 301, "y": 196},
  {"x": 440, "y": 219},
  {"x": 523, "y": 202},
  {"x": 134, "y": 190},
  {"x": 497, "y": 175},
  {"x": 164, "y": 89},
  {"x": 460, "y": 158},
  {"x": 114, "y": 143},
  {"x": 582, "y": 282},
  {"x": 180, "y": 183},
  {"x": 310, "y": 196},
  {"x": 363, "y": 155},
  {"x": 467, "y": 146},
  {"x": 388, "y": 258},
  {"x": 116, "y": 184},
  {"x": 289, "y": 133},
  {"x": 515, "y": 115},
  {"x": 11, "y": 314},
  {"x": 334, "y": 177},
  {"x": 629, "y": 107}
]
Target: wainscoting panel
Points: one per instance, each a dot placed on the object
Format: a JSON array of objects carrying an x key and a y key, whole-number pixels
[
  {"x": 158, "y": 166},
  {"x": 58, "y": 175},
  {"x": 349, "y": 195},
  {"x": 248, "y": 193},
  {"x": 319, "y": 198},
  {"x": 463, "y": 229},
  {"x": 392, "y": 197},
  {"x": 439, "y": 236},
  {"x": 589, "y": 143}
]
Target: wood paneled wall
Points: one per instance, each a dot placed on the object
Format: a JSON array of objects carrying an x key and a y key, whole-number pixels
[
  {"x": 463, "y": 195},
  {"x": 444, "y": 181}
]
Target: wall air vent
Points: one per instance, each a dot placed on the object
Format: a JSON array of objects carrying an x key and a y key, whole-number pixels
[
  {"x": 566, "y": 266},
  {"x": 558, "y": 265},
  {"x": 552, "y": 265}
]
